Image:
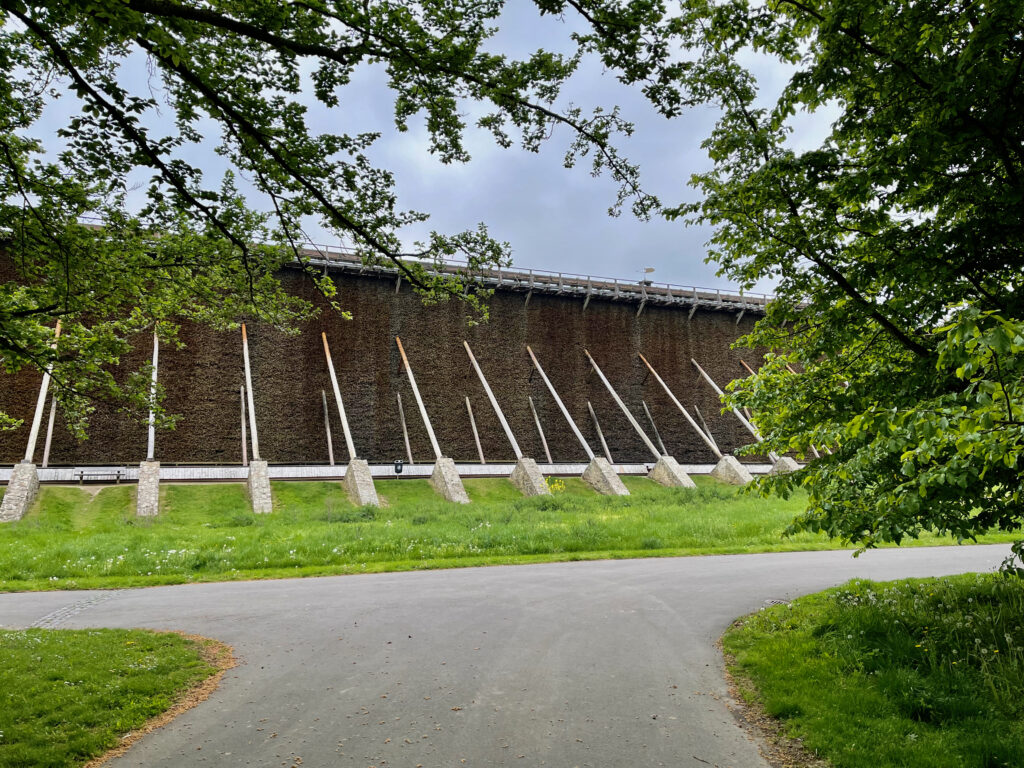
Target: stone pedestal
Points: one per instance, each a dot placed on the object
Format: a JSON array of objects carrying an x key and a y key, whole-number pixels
[
  {"x": 528, "y": 479},
  {"x": 358, "y": 484},
  {"x": 147, "y": 498},
  {"x": 21, "y": 492},
  {"x": 601, "y": 476},
  {"x": 667, "y": 472},
  {"x": 258, "y": 487},
  {"x": 730, "y": 471},
  {"x": 784, "y": 466},
  {"x": 446, "y": 481}
]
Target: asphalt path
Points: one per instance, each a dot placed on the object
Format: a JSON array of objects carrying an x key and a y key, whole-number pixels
[{"x": 609, "y": 664}]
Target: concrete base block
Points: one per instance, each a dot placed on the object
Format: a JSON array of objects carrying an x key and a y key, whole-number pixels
[
  {"x": 667, "y": 472},
  {"x": 259, "y": 488},
  {"x": 359, "y": 484},
  {"x": 147, "y": 498},
  {"x": 21, "y": 492},
  {"x": 528, "y": 479},
  {"x": 600, "y": 475},
  {"x": 730, "y": 471},
  {"x": 784, "y": 466},
  {"x": 446, "y": 481}
]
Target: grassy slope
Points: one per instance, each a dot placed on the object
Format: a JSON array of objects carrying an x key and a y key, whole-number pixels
[
  {"x": 206, "y": 532},
  {"x": 67, "y": 696},
  {"x": 923, "y": 673}
]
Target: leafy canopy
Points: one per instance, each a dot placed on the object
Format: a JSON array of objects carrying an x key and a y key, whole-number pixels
[
  {"x": 239, "y": 75},
  {"x": 897, "y": 339}
]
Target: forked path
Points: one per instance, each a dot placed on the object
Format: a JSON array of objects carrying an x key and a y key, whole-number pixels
[{"x": 609, "y": 664}]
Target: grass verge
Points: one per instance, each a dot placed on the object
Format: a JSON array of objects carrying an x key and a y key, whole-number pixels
[
  {"x": 924, "y": 673},
  {"x": 70, "y": 696},
  {"x": 72, "y": 539}
]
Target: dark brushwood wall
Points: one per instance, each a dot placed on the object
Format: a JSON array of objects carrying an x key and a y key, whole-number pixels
[{"x": 289, "y": 371}]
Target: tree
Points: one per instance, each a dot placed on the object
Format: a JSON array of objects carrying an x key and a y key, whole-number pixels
[
  {"x": 239, "y": 73},
  {"x": 897, "y": 336}
]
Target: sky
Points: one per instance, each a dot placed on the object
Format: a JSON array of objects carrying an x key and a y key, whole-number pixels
[{"x": 554, "y": 218}]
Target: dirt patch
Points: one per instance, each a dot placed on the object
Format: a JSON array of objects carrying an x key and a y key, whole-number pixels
[
  {"x": 768, "y": 732},
  {"x": 218, "y": 655}
]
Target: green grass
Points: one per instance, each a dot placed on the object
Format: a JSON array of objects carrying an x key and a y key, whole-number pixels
[
  {"x": 67, "y": 696},
  {"x": 924, "y": 673},
  {"x": 71, "y": 539}
]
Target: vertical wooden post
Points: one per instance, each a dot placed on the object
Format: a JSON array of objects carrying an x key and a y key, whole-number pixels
[
  {"x": 708, "y": 440},
  {"x": 476, "y": 436},
  {"x": 561, "y": 405},
  {"x": 37, "y": 418},
  {"x": 337, "y": 396},
  {"x": 540, "y": 430},
  {"x": 327, "y": 428},
  {"x": 654, "y": 427},
  {"x": 419, "y": 401},
  {"x": 405, "y": 431},
  {"x": 151, "y": 442},
  {"x": 494, "y": 402},
  {"x": 248, "y": 393},
  {"x": 245, "y": 440},
  {"x": 618, "y": 401},
  {"x": 600, "y": 434},
  {"x": 49, "y": 432}
]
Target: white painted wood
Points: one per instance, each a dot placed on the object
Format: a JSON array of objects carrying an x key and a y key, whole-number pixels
[
  {"x": 37, "y": 418},
  {"x": 476, "y": 436},
  {"x": 540, "y": 430},
  {"x": 349, "y": 444},
  {"x": 405, "y": 431},
  {"x": 49, "y": 433},
  {"x": 327, "y": 428},
  {"x": 707, "y": 429},
  {"x": 494, "y": 403},
  {"x": 600, "y": 434},
  {"x": 151, "y": 438},
  {"x": 419, "y": 401},
  {"x": 561, "y": 405},
  {"x": 708, "y": 440},
  {"x": 254, "y": 435},
  {"x": 654, "y": 428},
  {"x": 618, "y": 401},
  {"x": 245, "y": 440}
]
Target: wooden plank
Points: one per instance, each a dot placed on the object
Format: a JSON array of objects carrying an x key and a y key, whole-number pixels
[
  {"x": 37, "y": 418},
  {"x": 476, "y": 435},
  {"x": 151, "y": 438},
  {"x": 327, "y": 428},
  {"x": 618, "y": 401},
  {"x": 349, "y": 444},
  {"x": 654, "y": 428},
  {"x": 600, "y": 434},
  {"x": 561, "y": 405},
  {"x": 248, "y": 393},
  {"x": 709, "y": 441},
  {"x": 540, "y": 430},
  {"x": 405, "y": 431},
  {"x": 245, "y": 449},
  {"x": 494, "y": 402},
  {"x": 419, "y": 401},
  {"x": 49, "y": 432}
]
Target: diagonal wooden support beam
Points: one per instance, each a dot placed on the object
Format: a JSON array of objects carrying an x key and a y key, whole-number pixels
[
  {"x": 419, "y": 401},
  {"x": 654, "y": 428},
  {"x": 540, "y": 430},
  {"x": 37, "y": 418},
  {"x": 254, "y": 436},
  {"x": 494, "y": 402},
  {"x": 405, "y": 431},
  {"x": 600, "y": 434},
  {"x": 561, "y": 405},
  {"x": 476, "y": 435},
  {"x": 349, "y": 444},
  {"x": 750, "y": 427},
  {"x": 618, "y": 401},
  {"x": 708, "y": 440}
]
